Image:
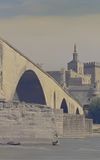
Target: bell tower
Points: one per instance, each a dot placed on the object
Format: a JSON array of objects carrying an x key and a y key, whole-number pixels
[{"x": 75, "y": 54}]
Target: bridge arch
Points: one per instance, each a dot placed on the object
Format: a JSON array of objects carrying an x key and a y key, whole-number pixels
[
  {"x": 77, "y": 111},
  {"x": 64, "y": 106},
  {"x": 54, "y": 99},
  {"x": 16, "y": 70},
  {"x": 29, "y": 89}
]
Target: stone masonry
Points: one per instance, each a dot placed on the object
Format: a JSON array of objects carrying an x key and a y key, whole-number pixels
[{"x": 26, "y": 123}]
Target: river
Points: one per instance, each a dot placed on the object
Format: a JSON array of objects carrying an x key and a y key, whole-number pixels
[{"x": 68, "y": 149}]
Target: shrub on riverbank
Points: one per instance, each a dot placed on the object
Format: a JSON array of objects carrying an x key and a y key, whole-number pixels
[{"x": 94, "y": 110}]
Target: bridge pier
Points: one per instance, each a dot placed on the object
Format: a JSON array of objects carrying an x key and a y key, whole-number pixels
[{"x": 27, "y": 123}]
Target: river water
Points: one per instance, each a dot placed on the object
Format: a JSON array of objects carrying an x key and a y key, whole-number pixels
[{"x": 68, "y": 149}]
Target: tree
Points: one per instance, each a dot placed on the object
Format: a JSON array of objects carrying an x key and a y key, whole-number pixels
[{"x": 94, "y": 110}]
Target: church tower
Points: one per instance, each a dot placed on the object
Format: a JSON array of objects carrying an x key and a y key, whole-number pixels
[
  {"x": 75, "y": 65},
  {"x": 75, "y": 54}
]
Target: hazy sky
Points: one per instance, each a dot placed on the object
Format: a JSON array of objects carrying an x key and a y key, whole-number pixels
[{"x": 46, "y": 30}]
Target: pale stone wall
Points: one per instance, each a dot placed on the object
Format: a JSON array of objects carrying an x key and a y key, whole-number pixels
[
  {"x": 80, "y": 68},
  {"x": 89, "y": 68},
  {"x": 59, "y": 121},
  {"x": 26, "y": 123},
  {"x": 97, "y": 75},
  {"x": 89, "y": 126},
  {"x": 76, "y": 126},
  {"x": 78, "y": 79}
]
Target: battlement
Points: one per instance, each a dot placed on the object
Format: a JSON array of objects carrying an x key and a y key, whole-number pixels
[
  {"x": 92, "y": 64},
  {"x": 89, "y": 64}
]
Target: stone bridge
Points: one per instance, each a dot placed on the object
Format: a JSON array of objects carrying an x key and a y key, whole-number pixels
[{"x": 22, "y": 80}]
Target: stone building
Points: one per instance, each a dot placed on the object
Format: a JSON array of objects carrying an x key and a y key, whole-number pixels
[
  {"x": 75, "y": 72},
  {"x": 81, "y": 80}
]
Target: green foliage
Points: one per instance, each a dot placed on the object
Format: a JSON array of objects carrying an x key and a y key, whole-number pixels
[{"x": 94, "y": 110}]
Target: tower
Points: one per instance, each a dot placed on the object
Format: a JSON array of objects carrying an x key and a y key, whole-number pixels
[
  {"x": 75, "y": 65},
  {"x": 75, "y": 54}
]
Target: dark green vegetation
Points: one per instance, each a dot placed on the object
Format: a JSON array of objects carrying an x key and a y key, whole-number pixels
[{"x": 94, "y": 110}]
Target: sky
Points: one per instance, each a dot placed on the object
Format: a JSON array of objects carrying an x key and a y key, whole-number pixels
[{"x": 45, "y": 30}]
